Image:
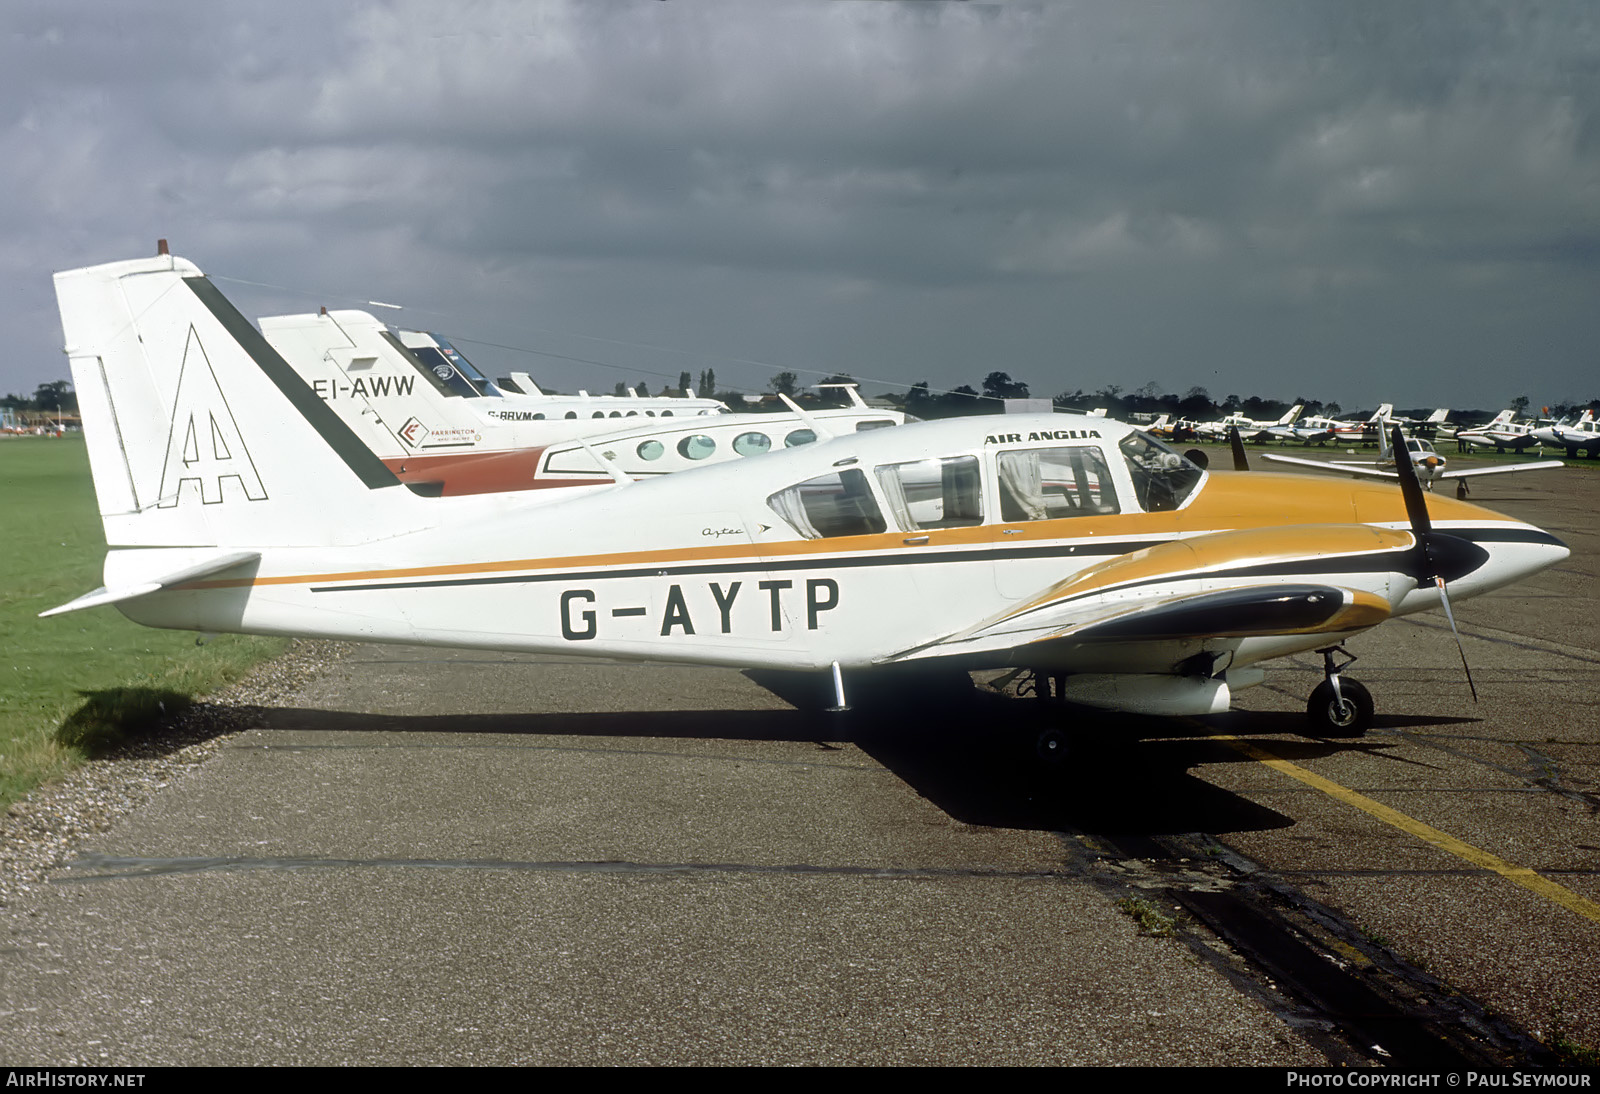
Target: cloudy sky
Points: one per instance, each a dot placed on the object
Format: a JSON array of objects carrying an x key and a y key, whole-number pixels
[{"x": 1357, "y": 202}]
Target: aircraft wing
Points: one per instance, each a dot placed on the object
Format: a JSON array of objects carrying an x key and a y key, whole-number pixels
[
  {"x": 1329, "y": 465},
  {"x": 1213, "y": 590},
  {"x": 1474, "y": 472}
]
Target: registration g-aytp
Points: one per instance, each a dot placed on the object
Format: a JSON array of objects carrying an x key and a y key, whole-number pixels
[{"x": 234, "y": 499}]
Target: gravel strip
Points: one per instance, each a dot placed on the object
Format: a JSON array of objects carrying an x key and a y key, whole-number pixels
[{"x": 46, "y": 829}]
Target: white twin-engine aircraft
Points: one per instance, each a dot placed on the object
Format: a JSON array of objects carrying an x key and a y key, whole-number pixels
[{"x": 234, "y": 499}]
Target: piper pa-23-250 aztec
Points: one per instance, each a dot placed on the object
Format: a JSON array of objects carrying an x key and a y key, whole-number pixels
[{"x": 234, "y": 499}]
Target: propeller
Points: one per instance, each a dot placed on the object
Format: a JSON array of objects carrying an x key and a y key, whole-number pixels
[
  {"x": 1241, "y": 462},
  {"x": 1439, "y": 554}
]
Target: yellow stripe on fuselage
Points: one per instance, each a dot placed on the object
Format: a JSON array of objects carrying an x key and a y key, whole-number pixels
[{"x": 1230, "y": 501}]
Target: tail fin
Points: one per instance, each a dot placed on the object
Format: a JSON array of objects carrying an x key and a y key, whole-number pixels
[
  {"x": 376, "y": 386},
  {"x": 1439, "y": 416},
  {"x": 1293, "y": 413},
  {"x": 1383, "y": 413},
  {"x": 199, "y": 434}
]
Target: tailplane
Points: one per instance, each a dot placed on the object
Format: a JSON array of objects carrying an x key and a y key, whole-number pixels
[{"x": 199, "y": 434}]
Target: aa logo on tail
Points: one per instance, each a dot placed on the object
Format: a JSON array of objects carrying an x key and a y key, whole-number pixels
[{"x": 204, "y": 445}]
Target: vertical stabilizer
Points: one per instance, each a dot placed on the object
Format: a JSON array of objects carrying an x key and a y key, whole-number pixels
[
  {"x": 376, "y": 385},
  {"x": 199, "y": 434}
]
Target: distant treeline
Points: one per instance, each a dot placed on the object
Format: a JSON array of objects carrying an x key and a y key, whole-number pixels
[{"x": 54, "y": 397}]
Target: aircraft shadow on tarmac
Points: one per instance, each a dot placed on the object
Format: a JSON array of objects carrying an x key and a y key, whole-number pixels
[{"x": 969, "y": 751}]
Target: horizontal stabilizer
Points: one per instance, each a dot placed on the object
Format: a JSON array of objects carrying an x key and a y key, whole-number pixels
[{"x": 129, "y": 591}]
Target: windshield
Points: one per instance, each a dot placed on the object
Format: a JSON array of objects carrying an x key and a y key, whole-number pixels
[{"x": 1162, "y": 479}]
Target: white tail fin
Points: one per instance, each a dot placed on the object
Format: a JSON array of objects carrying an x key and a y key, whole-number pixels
[
  {"x": 1383, "y": 413},
  {"x": 391, "y": 400},
  {"x": 199, "y": 434},
  {"x": 1439, "y": 416},
  {"x": 1291, "y": 415}
]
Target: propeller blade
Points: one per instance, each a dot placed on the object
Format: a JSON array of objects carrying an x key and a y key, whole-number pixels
[
  {"x": 1411, "y": 490},
  {"x": 1438, "y": 551},
  {"x": 1444, "y": 598},
  {"x": 1241, "y": 462}
]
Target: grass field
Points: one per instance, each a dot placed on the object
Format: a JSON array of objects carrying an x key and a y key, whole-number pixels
[{"x": 75, "y": 684}]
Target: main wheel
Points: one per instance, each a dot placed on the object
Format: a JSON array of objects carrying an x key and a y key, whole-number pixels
[{"x": 1332, "y": 716}]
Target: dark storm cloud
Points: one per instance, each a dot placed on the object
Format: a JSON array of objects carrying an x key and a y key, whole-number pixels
[{"x": 1252, "y": 197}]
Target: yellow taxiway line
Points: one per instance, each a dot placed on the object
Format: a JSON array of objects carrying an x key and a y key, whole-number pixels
[{"x": 1519, "y": 875}]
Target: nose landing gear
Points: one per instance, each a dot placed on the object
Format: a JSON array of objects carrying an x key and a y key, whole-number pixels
[{"x": 1339, "y": 707}]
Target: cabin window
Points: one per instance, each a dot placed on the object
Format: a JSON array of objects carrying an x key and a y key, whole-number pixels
[
  {"x": 873, "y": 423},
  {"x": 598, "y": 414},
  {"x": 1162, "y": 479},
  {"x": 1052, "y": 483},
  {"x": 752, "y": 444},
  {"x": 571, "y": 414},
  {"x": 632, "y": 414},
  {"x": 798, "y": 438},
  {"x": 616, "y": 413},
  {"x": 944, "y": 493},
  {"x": 666, "y": 413},
  {"x": 836, "y": 504},
  {"x": 651, "y": 450},
  {"x": 539, "y": 417},
  {"x": 696, "y": 447}
]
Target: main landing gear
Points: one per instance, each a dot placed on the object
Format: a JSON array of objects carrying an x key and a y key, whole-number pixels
[
  {"x": 1339, "y": 707},
  {"x": 1053, "y": 744}
]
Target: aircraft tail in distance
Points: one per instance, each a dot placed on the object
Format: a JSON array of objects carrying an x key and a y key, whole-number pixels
[{"x": 393, "y": 401}]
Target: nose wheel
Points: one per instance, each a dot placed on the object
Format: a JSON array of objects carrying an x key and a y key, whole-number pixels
[{"x": 1339, "y": 707}]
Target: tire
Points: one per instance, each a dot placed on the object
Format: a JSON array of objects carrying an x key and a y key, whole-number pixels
[{"x": 1330, "y": 718}]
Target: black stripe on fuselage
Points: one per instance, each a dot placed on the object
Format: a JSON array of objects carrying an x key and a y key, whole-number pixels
[
  {"x": 345, "y": 444},
  {"x": 1101, "y": 548},
  {"x": 1074, "y": 550}
]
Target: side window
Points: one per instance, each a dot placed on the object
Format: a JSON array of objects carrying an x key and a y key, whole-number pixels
[
  {"x": 943, "y": 493},
  {"x": 837, "y": 504},
  {"x": 752, "y": 444},
  {"x": 1050, "y": 483},
  {"x": 874, "y": 423}
]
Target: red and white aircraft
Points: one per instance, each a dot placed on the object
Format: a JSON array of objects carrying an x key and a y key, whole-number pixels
[{"x": 435, "y": 420}]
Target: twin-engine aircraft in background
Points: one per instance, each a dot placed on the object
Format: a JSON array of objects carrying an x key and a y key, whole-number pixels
[
  {"x": 1426, "y": 463},
  {"x": 437, "y": 422},
  {"x": 1125, "y": 577},
  {"x": 1501, "y": 433},
  {"x": 1581, "y": 435}
]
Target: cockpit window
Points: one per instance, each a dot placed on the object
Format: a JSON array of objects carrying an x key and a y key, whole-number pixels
[
  {"x": 1162, "y": 479},
  {"x": 1051, "y": 483},
  {"x": 836, "y": 504},
  {"x": 946, "y": 493}
]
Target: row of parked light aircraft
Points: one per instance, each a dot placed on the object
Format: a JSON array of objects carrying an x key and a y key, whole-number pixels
[
  {"x": 1503, "y": 433},
  {"x": 237, "y": 494}
]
